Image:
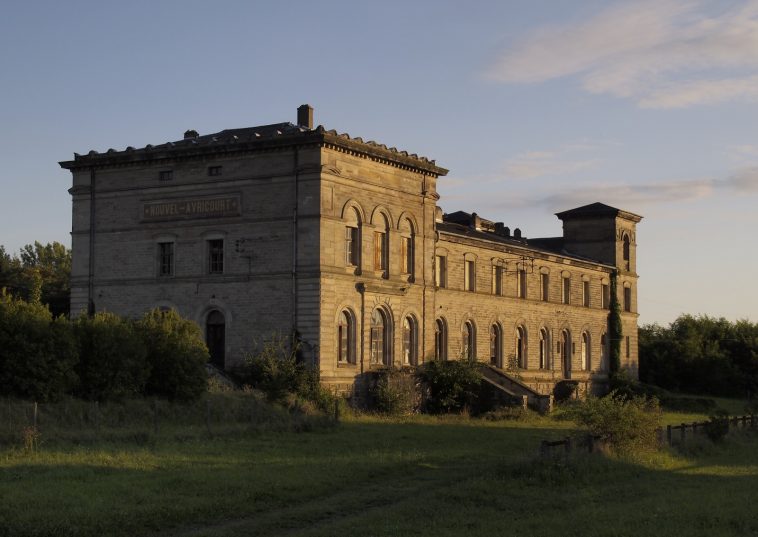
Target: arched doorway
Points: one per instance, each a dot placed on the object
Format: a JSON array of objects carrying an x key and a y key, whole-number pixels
[{"x": 215, "y": 337}]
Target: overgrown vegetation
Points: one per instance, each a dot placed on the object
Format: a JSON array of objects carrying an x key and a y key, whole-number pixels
[
  {"x": 394, "y": 392},
  {"x": 701, "y": 355},
  {"x": 100, "y": 358},
  {"x": 451, "y": 384},
  {"x": 628, "y": 425},
  {"x": 39, "y": 272}
]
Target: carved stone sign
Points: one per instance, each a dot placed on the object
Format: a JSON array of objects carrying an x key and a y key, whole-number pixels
[{"x": 191, "y": 208}]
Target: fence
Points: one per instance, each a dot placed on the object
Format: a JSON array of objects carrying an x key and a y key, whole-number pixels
[{"x": 672, "y": 434}]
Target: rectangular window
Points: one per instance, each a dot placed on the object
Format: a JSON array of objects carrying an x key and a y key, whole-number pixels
[
  {"x": 380, "y": 250},
  {"x": 521, "y": 283},
  {"x": 627, "y": 299},
  {"x": 216, "y": 256},
  {"x": 165, "y": 258},
  {"x": 545, "y": 287},
  {"x": 214, "y": 170},
  {"x": 352, "y": 246},
  {"x": 586, "y": 294},
  {"x": 606, "y": 296},
  {"x": 628, "y": 347},
  {"x": 440, "y": 271},
  {"x": 497, "y": 280},
  {"x": 469, "y": 276},
  {"x": 165, "y": 175},
  {"x": 566, "y": 295}
]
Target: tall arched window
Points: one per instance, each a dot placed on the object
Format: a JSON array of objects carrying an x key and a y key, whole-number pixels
[
  {"x": 410, "y": 341},
  {"x": 565, "y": 350},
  {"x": 496, "y": 345},
  {"x": 544, "y": 347},
  {"x": 353, "y": 238},
  {"x": 521, "y": 346},
  {"x": 408, "y": 248},
  {"x": 586, "y": 364},
  {"x": 440, "y": 340},
  {"x": 604, "y": 352},
  {"x": 380, "y": 338},
  {"x": 469, "y": 340},
  {"x": 381, "y": 246},
  {"x": 626, "y": 251},
  {"x": 215, "y": 337},
  {"x": 346, "y": 338}
]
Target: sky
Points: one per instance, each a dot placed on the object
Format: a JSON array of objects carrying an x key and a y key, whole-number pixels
[{"x": 534, "y": 106}]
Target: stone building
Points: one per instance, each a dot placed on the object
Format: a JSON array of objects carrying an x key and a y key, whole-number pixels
[{"x": 270, "y": 229}]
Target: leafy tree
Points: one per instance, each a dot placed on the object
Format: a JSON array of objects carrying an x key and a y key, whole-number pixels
[
  {"x": 176, "y": 355},
  {"x": 39, "y": 270},
  {"x": 37, "y": 352},
  {"x": 112, "y": 358}
]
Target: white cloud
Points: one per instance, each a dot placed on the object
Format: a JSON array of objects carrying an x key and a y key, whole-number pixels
[{"x": 662, "y": 53}]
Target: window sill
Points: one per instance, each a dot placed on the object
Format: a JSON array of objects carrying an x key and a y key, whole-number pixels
[{"x": 346, "y": 364}]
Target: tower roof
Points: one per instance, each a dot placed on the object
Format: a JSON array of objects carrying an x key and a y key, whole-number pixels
[{"x": 597, "y": 210}]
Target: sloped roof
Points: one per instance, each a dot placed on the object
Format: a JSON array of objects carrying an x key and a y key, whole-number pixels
[{"x": 597, "y": 209}]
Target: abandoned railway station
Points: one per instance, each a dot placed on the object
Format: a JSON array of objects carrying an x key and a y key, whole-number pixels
[{"x": 289, "y": 227}]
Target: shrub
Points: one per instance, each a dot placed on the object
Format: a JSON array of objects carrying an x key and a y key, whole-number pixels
[
  {"x": 394, "y": 392},
  {"x": 275, "y": 370},
  {"x": 626, "y": 425},
  {"x": 176, "y": 355},
  {"x": 717, "y": 427},
  {"x": 112, "y": 358},
  {"x": 451, "y": 384},
  {"x": 37, "y": 353},
  {"x": 565, "y": 390}
]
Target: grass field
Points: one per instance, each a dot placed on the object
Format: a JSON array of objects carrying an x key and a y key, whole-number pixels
[{"x": 370, "y": 476}]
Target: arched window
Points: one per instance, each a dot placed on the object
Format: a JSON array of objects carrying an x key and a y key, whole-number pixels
[
  {"x": 521, "y": 346},
  {"x": 346, "y": 338},
  {"x": 409, "y": 248},
  {"x": 604, "y": 352},
  {"x": 565, "y": 351},
  {"x": 381, "y": 246},
  {"x": 626, "y": 251},
  {"x": 410, "y": 341},
  {"x": 215, "y": 337},
  {"x": 585, "y": 352},
  {"x": 496, "y": 345},
  {"x": 544, "y": 347},
  {"x": 353, "y": 238},
  {"x": 380, "y": 340},
  {"x": 440, "y": 340},
  {"x": 469, "y": 341}
]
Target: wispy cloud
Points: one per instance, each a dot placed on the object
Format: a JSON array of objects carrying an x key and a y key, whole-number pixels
[
  {"x": 562, "y": 161},
  {"x": 660, "y": 53}
]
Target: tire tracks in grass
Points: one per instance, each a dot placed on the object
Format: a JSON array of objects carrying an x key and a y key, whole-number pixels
[{"x": 358, "y": 499}]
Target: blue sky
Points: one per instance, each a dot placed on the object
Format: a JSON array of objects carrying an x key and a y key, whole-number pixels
[{"x": 534, "y": 106}]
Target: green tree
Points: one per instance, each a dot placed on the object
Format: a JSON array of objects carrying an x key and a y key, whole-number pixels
[
  {"x": 176, "y": 355},
  {"x": 112, "y": 358},
  {"x": 37, "y": 352}
]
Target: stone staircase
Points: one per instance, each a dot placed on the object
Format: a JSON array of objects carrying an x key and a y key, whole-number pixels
[{"x": 515, "y": 389}]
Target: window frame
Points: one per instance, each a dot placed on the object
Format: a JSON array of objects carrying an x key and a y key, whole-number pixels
[
  {"x": 166, "y": 260},
  {"x": 215, "y": 256}
]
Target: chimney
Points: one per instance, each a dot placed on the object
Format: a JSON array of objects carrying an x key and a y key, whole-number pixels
[
  {"x": 476, "y": 222},
  {"x": 192, "y": 133},
  {"x": 305, "y": 116},
  {"x": 517, "y": 233}
]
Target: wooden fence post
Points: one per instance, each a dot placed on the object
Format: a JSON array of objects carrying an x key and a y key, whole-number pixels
[
  {"x": 683, "y": 433},
  {"x": 34, "y": 421},
  {"x": 668, "y": 434}
]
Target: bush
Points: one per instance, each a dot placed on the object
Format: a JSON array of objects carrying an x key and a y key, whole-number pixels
[
  {"x": 451, "y": 384},
  {"x": 37, "y": 353},
  {"x": 176, "y": 355},
  {"x": 394, "y": 392},
  {"x": 565, "y": 390},
  {"x": 112, "y": 358},
  {"x": 626, "y": 425},
  {"x": 717, "y": 427},
  {"x": 275, "y": 370}
]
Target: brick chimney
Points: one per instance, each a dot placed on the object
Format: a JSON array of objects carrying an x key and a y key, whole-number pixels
[{"x": 305, "y": 116}]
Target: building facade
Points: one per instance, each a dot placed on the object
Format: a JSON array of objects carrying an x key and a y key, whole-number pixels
[{"x": 279, "y": 228}]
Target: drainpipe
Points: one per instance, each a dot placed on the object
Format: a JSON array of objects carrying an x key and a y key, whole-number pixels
[
  {"x": 424, "y": 313},
  {"x": 296, "y": 177},
  {"x": 91, "y": 275}
]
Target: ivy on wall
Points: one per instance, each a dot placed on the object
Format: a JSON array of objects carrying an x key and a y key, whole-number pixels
[{"x": 615, "y": 329}]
